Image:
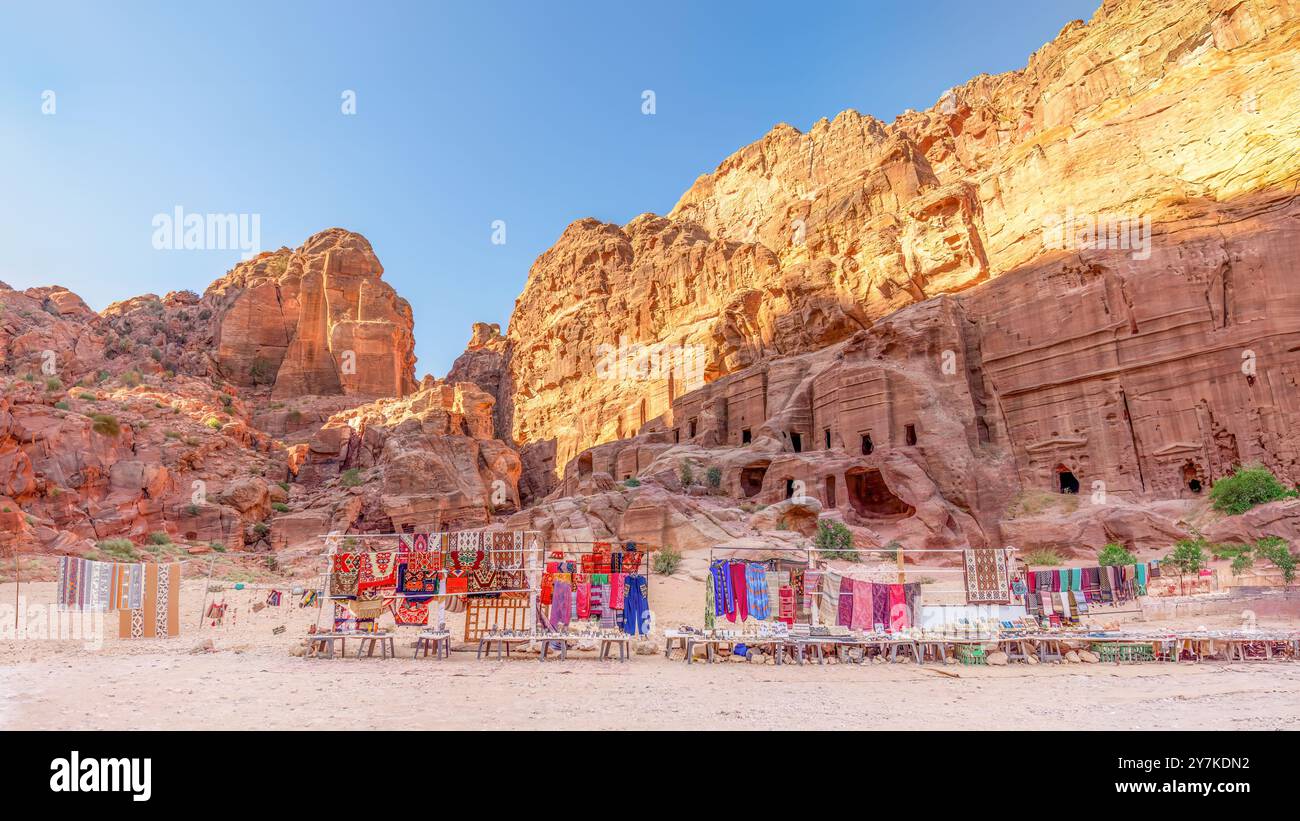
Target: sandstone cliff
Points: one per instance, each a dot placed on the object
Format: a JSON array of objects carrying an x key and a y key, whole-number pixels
[{"x": 1170, "y": 112}]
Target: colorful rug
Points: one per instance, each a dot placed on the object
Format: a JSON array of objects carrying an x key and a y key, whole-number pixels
[{"x": 987, "y": 579}]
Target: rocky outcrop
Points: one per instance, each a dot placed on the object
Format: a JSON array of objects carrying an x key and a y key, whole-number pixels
[
  {"x": 318, "y": 320},
  {"x": 427, "y": 461},
  {"x": 1166, "y": 120}
]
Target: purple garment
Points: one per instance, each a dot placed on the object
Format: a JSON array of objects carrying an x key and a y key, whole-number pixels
[
  {"x": 879, "y": 604},
  {"x": 844, "y": 617},
  {"x": 560, "y": 604}
]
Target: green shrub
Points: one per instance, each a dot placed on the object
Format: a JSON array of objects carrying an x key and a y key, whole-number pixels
[
  {"x": 120, "y": 549},
  {"x": 87, "y": 397},
  {"x": 667, "y": 560},
  {"x": 1046, "y": 557},
  {"x": 1251, "y": 485},
  {"x": 272, "y": 563},
  {"x": 632, "y": 482},
  {"x": 217, "y": 546},
  {"x": 159, "y": 537},
  {"x": 686, "y": 474},
  {"x": 1243, "y": 562},
  {"x": 351, "y": 477},
  {"x": 62, "y": 406},
  {"x": 53, "y": 384},
  {"x": 106, "y": 425},
  {"x": 130, "y": 378},
  {"x": 261, "y": 529},
  {"x": 279, "y": 507},
  {"x": 714, "y": 477},
  {"x": 833, "y": 540},
  {"x": 213, "y": 422},
  {"x": 1115, "y": 554},
  {"x": 283, "y": 486}
]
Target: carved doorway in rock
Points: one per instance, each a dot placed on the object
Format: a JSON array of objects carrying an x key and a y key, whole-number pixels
[
  {"x": 871, "y": 498},
  {"x": 1066, "y": 481},
  {"x": 1193, "y": 478},
  {"x": 830, "y": 493},
  {"x": 751, "y": 478}
]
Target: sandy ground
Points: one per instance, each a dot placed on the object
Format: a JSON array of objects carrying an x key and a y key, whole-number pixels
[{"x": 248, "y": 679}]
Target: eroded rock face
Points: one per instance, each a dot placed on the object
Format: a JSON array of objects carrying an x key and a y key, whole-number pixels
[
  {"x": 427, "y": 461},
  {"x": 318, "y": 320},
  {"x": 1182, "y": 114}
]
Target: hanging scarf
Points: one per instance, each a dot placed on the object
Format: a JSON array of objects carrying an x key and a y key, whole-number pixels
[
  {"x": 756, "y": 592},
  {"x": 863, "y": 606},
  {"x": 879, "y": 605},
  {"x": 844, "y": 610},
  {"x": 739, "y": 592}
]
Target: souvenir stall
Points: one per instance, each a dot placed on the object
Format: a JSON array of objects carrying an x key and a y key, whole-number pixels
[
  {"x": 145, "y": 595},
  {"x": 493, "y": 577},
  {"x": 1064, "y": 596},
  {"x": 595, "y": 592}
]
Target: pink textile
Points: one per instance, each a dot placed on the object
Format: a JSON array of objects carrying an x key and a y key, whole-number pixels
[
  {"x": 861, "y": 606},
  {"x": 898, "y": 615}
]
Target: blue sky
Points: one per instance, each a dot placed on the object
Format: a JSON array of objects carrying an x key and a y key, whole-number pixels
[{"x": 466, "y": 113}]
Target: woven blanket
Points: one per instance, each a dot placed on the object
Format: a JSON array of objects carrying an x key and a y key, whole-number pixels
[{"x": 987, "y": 580}]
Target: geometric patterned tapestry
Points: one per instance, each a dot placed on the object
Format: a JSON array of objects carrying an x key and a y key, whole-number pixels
[
  {"x": 159, "y": 613},
  {"x": 987, "y": 581}
]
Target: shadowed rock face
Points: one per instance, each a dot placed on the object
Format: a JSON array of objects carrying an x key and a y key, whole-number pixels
[
  {"x": 1158, "y": 117},
  {"x": 315, "y": 321}
]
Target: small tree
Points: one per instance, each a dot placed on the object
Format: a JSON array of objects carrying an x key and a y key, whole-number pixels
[
  {"x": 1115, "y": 554},
  {"x": 1249, "y": 486},
  {"x": 1278, "y": 551},
  {"x": 1187, "y": 557}
]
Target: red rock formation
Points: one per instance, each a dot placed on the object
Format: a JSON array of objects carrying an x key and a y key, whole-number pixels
[
  {"x": 319, "y": 320},
  {"x": 1159, "y": 111}
]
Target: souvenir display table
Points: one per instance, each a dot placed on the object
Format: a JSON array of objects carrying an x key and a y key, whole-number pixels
[
  {"x": 438, "y": 641},
  {"x": 324, "y": 642},
  {"x": 369, "y": 641},
  {"x": 607, "y": 640},
  {"x": 501, "y": 641},
  {"x": 624, "y": 644},
  {"x": 712, "y": 643}
]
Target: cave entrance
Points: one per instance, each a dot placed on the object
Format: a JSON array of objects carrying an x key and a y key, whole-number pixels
[
  {"x": 746, "y": 437},
  {"x": 751, "y": 478},
  {"x": 1066, "y": 481},
  {"x": 796, "y": 442},
  {"x": 830, "y": 492},
  {"x": 871, "y": 497},
  {"x": 789, "y": 488},
  {"x": 584, "y": 465},
  {"x": 867, "y": 444},
  {"x": 1192, "y": 478}
]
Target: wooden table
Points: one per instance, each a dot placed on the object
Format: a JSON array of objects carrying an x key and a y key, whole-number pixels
[
  {"x": 712, "y": 643},
  {"x": 439, "y": 642},
  {"x": 367, "y": 645},
  {"x": 624, "y": 647},
  {"x": 674, "y": 639},
  {"x": 325, "y": 641},
  {"x": 485, "y": 644}
]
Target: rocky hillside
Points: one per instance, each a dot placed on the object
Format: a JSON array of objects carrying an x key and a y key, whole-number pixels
[
  {"x": 1163, "y": 110},
  {"x": 277, "y": 406}
]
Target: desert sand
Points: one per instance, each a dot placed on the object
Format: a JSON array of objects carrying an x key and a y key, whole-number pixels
[{"x": 242, "y": 676}]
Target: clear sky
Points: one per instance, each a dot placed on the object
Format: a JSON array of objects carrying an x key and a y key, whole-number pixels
[{"x": 466, "y": 113}]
